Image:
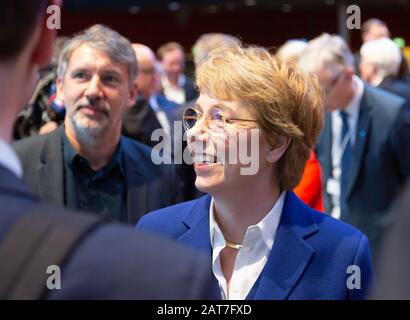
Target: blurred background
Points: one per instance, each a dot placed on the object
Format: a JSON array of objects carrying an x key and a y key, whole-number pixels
[{"x": 264, "y": 22}]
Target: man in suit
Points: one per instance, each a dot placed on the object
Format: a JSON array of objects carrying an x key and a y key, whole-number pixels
[
  {"x": 363, "y": 147},
  {"x": 371, "y": 29},
  {"x": 175, "y": 85},
  {"x": 151, "y": 111},
  {"x": 86, "y": 164},
  {"x": 154, "y": 113},
  {"x": 110, "y": 262},
  {"x": 379, "y": 66}
]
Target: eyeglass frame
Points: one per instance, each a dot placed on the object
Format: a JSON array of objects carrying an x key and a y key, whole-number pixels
[{"x": 225, "y": 120}]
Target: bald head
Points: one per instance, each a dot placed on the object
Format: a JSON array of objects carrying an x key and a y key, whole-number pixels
[
  {"x": 143, "y": 52},
  {"x": 147, "y": 79}
]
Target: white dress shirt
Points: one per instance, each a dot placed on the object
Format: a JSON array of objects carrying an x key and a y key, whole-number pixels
[
  {"x": 338, "y": 146},
  {"x": 176, "y": 94},
  {"x": 253, "y": 255},
  {"x": 160, "y": 114},
  {"x": 9, "y": 159}
]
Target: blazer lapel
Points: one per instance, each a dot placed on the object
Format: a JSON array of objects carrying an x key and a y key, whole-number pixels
[
  {"x": 51, "y": 171},
  {"x": 197, "y": 235},
  {"x": 362, "y": 133},
  {"x": 290, "y": 253},
  {"x": 197, "y": 221}
]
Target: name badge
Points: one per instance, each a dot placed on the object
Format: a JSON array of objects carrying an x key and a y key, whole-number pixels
[{"x": 333, "y": 187}]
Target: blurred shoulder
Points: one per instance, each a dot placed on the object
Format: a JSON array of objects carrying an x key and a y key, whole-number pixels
[{"x": 140, "y": 266}]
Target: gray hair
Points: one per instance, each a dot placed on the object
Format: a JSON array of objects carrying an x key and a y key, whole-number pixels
[
  {"x": 100, "y": 37},
  {"x": 384, "y": 54},
  {"x": 329, "y": 51},
  {"x": 292, "y": 49},
  {"x": 210, "y": 41}
]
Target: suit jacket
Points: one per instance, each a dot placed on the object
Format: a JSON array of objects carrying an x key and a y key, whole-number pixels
[
  {"x": 114, "y": 262},
  {"x": 309, "y": 258},
  {"x": 380, "y": 161},
  {"x": 140, "y": 121},
  {"x": 398, "y": 87},
  {"x": 189, "y": 88},
  {"x": 187, "y": 170},
  {"x": 149, "y": 186}
]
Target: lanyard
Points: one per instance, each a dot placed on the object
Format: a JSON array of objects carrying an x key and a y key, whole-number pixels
[{"x": 337, "y": 170}]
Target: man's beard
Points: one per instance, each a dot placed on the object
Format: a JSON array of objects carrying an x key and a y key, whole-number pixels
[{"x": 89, "y": 130}]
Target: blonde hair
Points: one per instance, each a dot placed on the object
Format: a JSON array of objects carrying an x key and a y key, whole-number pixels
[{"x": 284, "y": 100}]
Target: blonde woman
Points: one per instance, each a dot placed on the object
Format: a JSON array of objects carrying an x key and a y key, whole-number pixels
[{"x": 262, "y": 241}]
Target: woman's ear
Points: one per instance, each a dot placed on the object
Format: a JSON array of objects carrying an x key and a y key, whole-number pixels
[{"x": 276, "y": 152}]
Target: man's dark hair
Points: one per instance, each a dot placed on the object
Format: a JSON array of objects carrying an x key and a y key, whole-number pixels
[{"x": 17, "y": 22}]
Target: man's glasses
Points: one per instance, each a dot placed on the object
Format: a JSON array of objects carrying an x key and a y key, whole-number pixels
[{"x": 214, "y": 120}]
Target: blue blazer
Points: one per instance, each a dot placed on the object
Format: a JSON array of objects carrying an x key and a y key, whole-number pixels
[
  {"x": 309, "y": 259},
  {"x": 380, "y": 162}
]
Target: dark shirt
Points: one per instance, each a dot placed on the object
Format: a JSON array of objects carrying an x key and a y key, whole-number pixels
[{"x": 102, "y": 191}]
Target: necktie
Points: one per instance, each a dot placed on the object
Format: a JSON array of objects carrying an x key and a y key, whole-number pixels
[{"x": 346, "y": 159}]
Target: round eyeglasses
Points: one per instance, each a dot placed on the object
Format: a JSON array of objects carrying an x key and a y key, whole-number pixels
[{"x": 214, "y": 120}]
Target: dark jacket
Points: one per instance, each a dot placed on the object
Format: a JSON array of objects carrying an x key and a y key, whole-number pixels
[
  {"x": 399, "y": 87},
  {"x": 114, "y": 261},
  {"x": 380, "y": 161},
  {"x": 149, "y": 186}
]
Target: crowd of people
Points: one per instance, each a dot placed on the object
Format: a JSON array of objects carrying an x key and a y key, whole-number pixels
[{"x": 332, "y": 156}]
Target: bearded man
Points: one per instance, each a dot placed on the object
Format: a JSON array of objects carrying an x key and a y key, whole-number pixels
[{"x": 86, "y": 164}]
